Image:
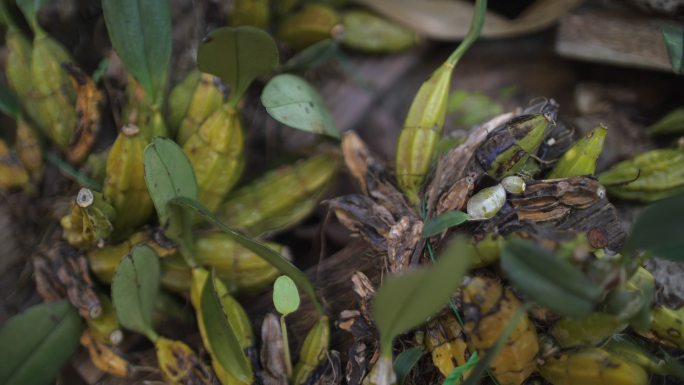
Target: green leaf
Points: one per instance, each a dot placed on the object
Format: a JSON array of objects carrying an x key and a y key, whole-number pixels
[
  {"x": 658, "y": 229},
  {"x": 72, "y": 173},
  {"x": 483, "y": 364},
  {"x": 140, "y": 32},
  {"x": 408, "y": 300},
  {"x": 290, "y": 100},
  {"x": 447, "y": 143},
  {"x": 672, "y": 366},
  {"x": 9, "y": 105},
  {"x": 285, "y": 295},
  {"x": 312, "y": 56},
  {"x": 224, "y": 342},
  {"x": 238, "y": 56},
  {"x": 644, "y": 282},
  {"x": 268, "y": 254},
  {"x": 638, "y": 351},
  {"x": 443, "y": 222},
  {"x": 11, "y": 15},
  {"x": 673, "y": 36},
  {"x": 624, "y": 304},
  {"x": 405, "y": 361},
  {"x": 38, "y": 342},
  {"x": 169, "y": 174},
  {"x": 471, "y": 108},
  {"x": 454, "y": 378},
  {"x": 5, "y": 20},
  {"x": 30, "y": 10},
  {"x": 134, "y": 290},
  {"x": 101, "y": 70},
  {"x": 548, "y": 280},
  {"x": 670, "y": 124}
]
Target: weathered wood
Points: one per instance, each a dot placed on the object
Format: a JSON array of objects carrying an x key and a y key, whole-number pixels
[{"x": 621, "y": 38}]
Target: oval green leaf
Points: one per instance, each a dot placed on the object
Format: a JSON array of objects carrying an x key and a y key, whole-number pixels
[
  {"x": 405, "y": 362},
  {"x": 548, "y": 280},
  {"x": 224, "y": 342},
  {"x": 407, "y": 300},
  {"x": 290, "y": 100},
  {"x": 658, "y": 229},
  {"x": 443, "y": 222},
  {"x": 268, "y": 254},
  {"x": 673, "y": 36},
  {"x": 237, "y": 56},
  {"x": 169, "y": 174},
  {"x": 285, "y": 295},
  {"x": 38, "y": 342},
  {"x": 134, "y": 290},
  {"x": 140, "y": 32}
]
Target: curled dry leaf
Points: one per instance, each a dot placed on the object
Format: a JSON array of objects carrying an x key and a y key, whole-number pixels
[
  {"x": 404, "y": 244},
  {"x": 453, "y": 167},
  {"x": 88, "y": 103},
  {"x": 372, "y": 175},
  {"x": 63, "y": 272},
  {"x": 357, "y": 363},
  {"x": 365, "y": 290},
  {"x": 457, "y": 195},
  {"x": 449, "y": 20},
  {"x": 104, "y": 357},
  {"x": 359, "y": 323},
  {"x": 274, "y": 367},
  {"x": 383, "y": 215},
  {"x": 362, "y": 216},
  {"x": 180, "y": 365}
]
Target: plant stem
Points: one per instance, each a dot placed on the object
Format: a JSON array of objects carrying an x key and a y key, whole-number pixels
[
  {"x": 233, "y": 101},
  {"x": 152, "y": 335},
  {"x": 286, "y": 347},
  {"x": 476, "y": 25}
]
